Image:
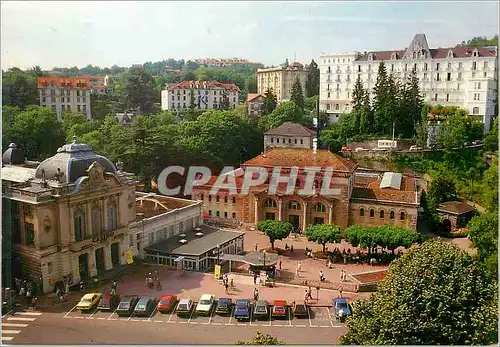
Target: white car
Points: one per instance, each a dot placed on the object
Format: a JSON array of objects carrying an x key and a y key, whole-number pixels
[
  {"x": 205, "y": 304},
  {"x": 360, "y": 149},
  {"x": 415, "y": 148}
]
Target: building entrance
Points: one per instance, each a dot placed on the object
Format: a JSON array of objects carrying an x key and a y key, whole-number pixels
[
  {"x": 83, "y": 266},
  {"x": 115, "y": 254},
  {"x": 294, "y": 221},
  {"x": 99, "y": 259}
]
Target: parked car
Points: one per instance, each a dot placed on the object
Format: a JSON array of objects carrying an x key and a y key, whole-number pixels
[
  {"x": 145, "y": 306},
  {"x": 377, "y": 149},
  {"x": 89, "y": 301},
  {"x": 242, "y": 309},
  {"x": 167, "y": 303},
  {"x": 185, "y": 307},
  {"x": 360, "y": 149},
  {"x": 205, "y": 304},
  {"x": 127, "y": 305},
  {"x": 109, "y": 302},
  {"x": 300, "y": 310},
  {"x": 224, "y": 306},
  {"x": 345, "y": 149},
  {"x": 261, "y": 309},
  {"x": 280, "y": 309},
  {"x": 341, "y": 308},
  {"x": 475, "y": 143},
  {"x": 415, "y": 148}
]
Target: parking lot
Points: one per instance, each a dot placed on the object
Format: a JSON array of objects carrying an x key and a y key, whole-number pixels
[{"x": 318, "y": 317}]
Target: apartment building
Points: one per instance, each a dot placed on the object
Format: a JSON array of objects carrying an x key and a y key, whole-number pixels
[
  {"x": 207, "y": 95},
  {"x": 456, "y": 76},
  {"x": 225, "y": 62},
  {"x": 281, "y": 79},
  {"x": 62, "y": 94}
]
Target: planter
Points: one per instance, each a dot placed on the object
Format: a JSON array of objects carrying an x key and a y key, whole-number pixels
[{"x": 369, "y": 280}]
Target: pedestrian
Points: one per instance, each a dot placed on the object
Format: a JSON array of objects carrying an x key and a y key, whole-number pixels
[
  {"x": 113, "y": 288},
  {"x": 297, "y": 272},
  {"x": 340, "y": 292},
  {"x": 306, "y": 296},
  {"x": 33, "y": 303},
  {"x": 255, "y": 294},
  {"x": 66, "y": 289},
  {"x": 255, "y": 278},
  {"x": 309, "y": 293},
  {"x": 299, "y": 266},
  {"x": 150, "y": 282},
  {"x": 232, "y": 283},
  {"x": 321, "y": 276},
  {"x": 280, "y": 264},
  {"x": 28, "y": 297},
  {"x": 256, "y": 246},
  {"x": 291, "y": 248},
  {"x": 226, "y": 286},
  {"x": 342, "y": 275}
]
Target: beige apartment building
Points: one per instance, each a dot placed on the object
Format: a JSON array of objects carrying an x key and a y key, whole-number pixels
[{"x": 280, "y": 80}]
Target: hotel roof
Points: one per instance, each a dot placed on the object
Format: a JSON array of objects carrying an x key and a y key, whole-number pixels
[{"x": 291, "y": 129}]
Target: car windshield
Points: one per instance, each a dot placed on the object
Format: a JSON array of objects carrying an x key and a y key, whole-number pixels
[
  {"x": 183, "y": 307},
  {"x": 341, "y": 305},
  {"x": 86, "y": 300},
  {"x": 279, "y": 308},
  {"x": 300, "y": 307},
  {"x": 124, "y": 306},
  {"x": 241, "y": 306},
  {"x": 222, "y": 304},
  {"x": 140, "y": 306},
  {"x": 205, "y": 302},
  {"x": 164, "y": 302},
  {"x": 261, "y": 308}
]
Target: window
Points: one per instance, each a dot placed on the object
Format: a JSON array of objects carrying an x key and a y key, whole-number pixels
[
  {"x": 372, "y": 213},
  {"x": 406, "y": 67},
  {"x": 319, "y": 207},
  {"x": 62, "y": 99},
  {"x": 293, "y": 205},
  {"x": 459, "y": 76},
  {"x": 449, "y": 65},
  {"x": 460, "y": 65},
  {"x": 437, "y": 66},
  {"x": 361, "y": 212},
  {"x": 336, "y": 107},
  {"x": 381, "y": 214},
  {"x": 415, "y": 67},
  {"x": 425, "y": 66},
  {"x": 202, "y": 196},
  {"x": 53, "y": 108},
  {"x": 425, "y": 75},
  {"x": 79, "y": 222},
  {"x": 435, "y": 97},
  {"x": 402, "y": 216},
  {"x": 85, "y": 108},
  {"x": 437, "y": 77},
  {"x": 209, "y": 212},
  {"x": 473, "y": 65},
  {"x": 295, "y": 141},
  {"x": 96, "y": 220},
  {"x": 289, "y": 140},
  {"x": 447, "y": 97},
  {"x": 209, "y": 198},
  {"x": 225, "y": 214},
  {"x": 478, "y": 85},
  {"x": 217, "y": 198},
  {"x": 301, "y": 141},
  {"x": 234, "y": 215},
  {"x": 270, "y": 203},
  {"x": 78, "y": 107},
  {"x": 392, "y": 67},
  {"x": 359, "y": 68},
  {"x": 63, "y": 108},
  {"x": 391, "y": 215},
  {"x": 50, "y": 267},
  {"x": 328, "y": 95},
  {"x": 448, "y": 76},
  {"x": 485, "y": 66},
  {"x": 217, "y": 214},
  {"x": 44, "y": 99},
  {"x": 475, "y": 110},
  {"x": 30, "y": 234},
  {"x": 225, "y": 199},
  {"x": 234, "y": 200},
  {"x": 112, "y": 218}
]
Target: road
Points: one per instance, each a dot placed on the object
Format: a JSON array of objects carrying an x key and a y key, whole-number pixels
[{"x": 73, "y": 327}]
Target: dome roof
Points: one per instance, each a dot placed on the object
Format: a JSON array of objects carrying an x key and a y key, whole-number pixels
[
  {"x": 13, "y": 155},
  {"x": 71, "y": 162}
]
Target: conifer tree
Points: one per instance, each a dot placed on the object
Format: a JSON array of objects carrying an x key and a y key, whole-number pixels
[
  {"x": 297, "y": 94},
  {"x": 269, "y": 103},
  {"x": 381, "y": 106},
  {"x": 312, "y": 82}
]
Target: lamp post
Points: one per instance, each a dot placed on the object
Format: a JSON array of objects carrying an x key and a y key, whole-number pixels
[
  {"x": 218, "y": 254},
  {"x": 264, "y": 251}
]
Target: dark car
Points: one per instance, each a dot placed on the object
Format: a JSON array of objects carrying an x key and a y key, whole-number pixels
[
  {"x": 300, "y": 310},
  {"x": 126, "y": 306},
  {"x": 261, "y": 309},
  {"x": 224, "y": 306},
  {"x": 242, "y": 309},
  {"x": 109, "y": 302},
  {"x": 341, "y": 308},
  {"x": 167, "y": 303},
  {"x": 145, "y": 306}
]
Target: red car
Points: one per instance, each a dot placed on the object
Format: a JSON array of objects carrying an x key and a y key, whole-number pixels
[
  {"x": 280, "y": 308},
  {"x": 167, "y": 303}
]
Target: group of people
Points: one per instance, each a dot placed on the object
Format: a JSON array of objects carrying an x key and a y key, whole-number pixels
[
  {"x": 308, "y": 294},
  {"x": 227, "y": 283},
  {"x": 256, "y": 293},
  {"x": 153, "y": 280},
  {"x": 62, "y": 289},
  {"x": 26, "y": 289}
]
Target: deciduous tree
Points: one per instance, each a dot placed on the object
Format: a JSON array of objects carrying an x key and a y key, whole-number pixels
[
  {"x": 483, "y": 230},
  {"x": 269, "y": 103},
  {"x": 261, "y": 339},
  {"x": 323, "y": 234},
  {"x": 275, "y": 229},
  {"x": 435, "y": 294}
]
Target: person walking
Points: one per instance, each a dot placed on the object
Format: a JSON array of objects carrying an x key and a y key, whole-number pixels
[
  {"x": 226, "y": 287},
  {"x": 306, "y": 296},
  {"x": 340, "y": 292},
  {"x": 279, "y": 264},
  {"x": 256, "y": 246},
  {"x": 255, "y": 278},
  {"x": 321, "y": 276},
  {"x": 309, "y": 293},
  {"x": 256, "y": 294},
  {"x": 113, "y": 288},
  {"x": 299, "y": 266}
]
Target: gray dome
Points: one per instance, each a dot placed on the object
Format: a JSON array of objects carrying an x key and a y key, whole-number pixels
[
  {"x": 71, "y": 162},
  {"x": 13, "y": 155}
]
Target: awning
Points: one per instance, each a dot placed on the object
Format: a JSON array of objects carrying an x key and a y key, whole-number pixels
[
  {"x": 178, "y": 259},
  {"x": 206, "y": 215}
]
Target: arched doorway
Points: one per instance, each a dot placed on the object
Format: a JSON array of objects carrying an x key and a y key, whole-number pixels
[
  {"x": 446, "y": 226},
  {"x": 270, "y": 208},
  {"x": 294, "y": 209}
]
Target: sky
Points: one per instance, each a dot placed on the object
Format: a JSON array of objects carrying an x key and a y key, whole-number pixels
[{"x": 68, "y": 33}]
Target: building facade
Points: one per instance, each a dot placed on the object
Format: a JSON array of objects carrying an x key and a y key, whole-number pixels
[
  {"x": 225, "y": 62},
  {"x": 254, "y": 104},
  {"x": 290, "y": 135},
  {"x": 457, "y": 76},
  {"x": 352, "y": 200},
  {"x": 63, "y": 94},
  {"x": 280, "y": 80},
  {"x": 204, "y": 95},
  {"x": 159, "y": 218},
  {"x": 69, "y": 215}
]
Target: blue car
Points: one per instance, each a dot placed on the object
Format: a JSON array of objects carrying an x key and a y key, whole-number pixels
[
  {"x": 341, "y": 308},
  {"x": 242, "y": 309}
]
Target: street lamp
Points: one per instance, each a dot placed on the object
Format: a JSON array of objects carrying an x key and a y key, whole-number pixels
[
  {"x": 218, "y": 253},
  {"x": 264, "y": 251}
]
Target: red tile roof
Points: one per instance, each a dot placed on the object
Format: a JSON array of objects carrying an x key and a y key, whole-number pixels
[
  {"x": 372, "y": 191},
  {"x": 63, "y": 82},
  {"x": 301, "y": 157},
  {"x": 252, "y": 96},
  {"x": 455, "y": 207},
  {"x": 204, "y": 85}
]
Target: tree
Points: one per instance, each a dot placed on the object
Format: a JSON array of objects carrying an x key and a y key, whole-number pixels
[
  {"x": 312, "y": 81},
  {"x": 480, "y": 41},
  {"x": 422, "y": 127},
  {"x": 37, "y": 132},
  {"x": 452, "y": 132},
  {"x": 358, "y": 95},
  {"x": 297, "y": 94},
  {"x": 19, "y": 88},
  {"x": 386, "y": 236},
  {"x": 269, "y": 103},
  {"x": 323, "y": 234},
  {"x": 491, "y": 138},
  {"x": 261, "y": 339},
  {"x": 483, "y": 230},
  {"x": 490, "y": 187},
  {"x": 100, "y": 106},
  {"x": 442, "y": 188},
  {"x": 414, "y": 103},
  {"x": 275, "y": 229},
  {"x": 137, "y": 89},
  {"x": 435, "y": 294},
  {"x": 381, "y": 101},
  {"x": 287, "y": 111}
]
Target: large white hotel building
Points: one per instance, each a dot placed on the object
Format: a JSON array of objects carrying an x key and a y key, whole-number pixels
[{"x": 458, "y": 76}]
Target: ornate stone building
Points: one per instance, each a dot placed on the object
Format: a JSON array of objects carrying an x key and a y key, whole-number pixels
[{"x": 69, "y": 215}]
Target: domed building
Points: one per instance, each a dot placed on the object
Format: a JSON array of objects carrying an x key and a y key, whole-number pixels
[{"x": 69, "y": 215}]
